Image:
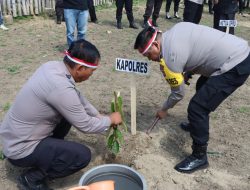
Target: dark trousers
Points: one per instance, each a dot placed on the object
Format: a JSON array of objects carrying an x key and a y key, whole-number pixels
[
  {"x": 59, "y": 9},
  {"x": 54, "y": 157},
  {"x": 192, "y": 12},
  {"x": 210, "y": 5},
  {"x": 176, "y": 5},
  {"x": 152, "y": 4},
  {"x": 211, "y": 92},
  {"x": 128, "y": 8},
  {"x": 222, "y": 16},
  {"x": 92, "y": 13}
]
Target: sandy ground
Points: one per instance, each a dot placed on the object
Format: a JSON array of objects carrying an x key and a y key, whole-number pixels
[{"x": 29, "y": 43}]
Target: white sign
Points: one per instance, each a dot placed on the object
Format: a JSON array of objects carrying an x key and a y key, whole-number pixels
[
  {"x": 228, "y": 23},
  {"x": 131, "y": 66}
]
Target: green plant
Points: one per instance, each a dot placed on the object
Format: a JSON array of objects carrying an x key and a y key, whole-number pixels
[
  {"x": 1, "y": 155},
  {"x": 115, "y": 136},
  {"x": 244, "y": 109},
  {"x": 13, "y": 69},
  {"x": 6, "y": 107}
]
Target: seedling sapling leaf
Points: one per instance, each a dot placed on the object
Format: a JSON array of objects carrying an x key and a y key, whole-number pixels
[{"x": 115, "y": 137}]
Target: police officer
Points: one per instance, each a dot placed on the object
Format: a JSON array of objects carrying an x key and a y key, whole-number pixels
[
  {"x": 155, "y": 7},
  {"x": 224, "y": 10},
  {"x": 193, "y": 11},
  {"x": 181, "y": 49},
  {"x": 129, "y": 11}
]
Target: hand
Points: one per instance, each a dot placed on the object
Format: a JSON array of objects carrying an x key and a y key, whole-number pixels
[
  {"x": 115, "y": 118},
  {"x": 161, "y": 114},
  {"x": 187, "y": 76}
]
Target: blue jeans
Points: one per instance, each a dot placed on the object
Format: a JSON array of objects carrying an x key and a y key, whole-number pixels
[
  {"x": 1, "y": 18},
  {"x": 75, "y": 17}
]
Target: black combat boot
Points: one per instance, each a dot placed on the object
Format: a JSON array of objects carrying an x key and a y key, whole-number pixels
[
  {"x": 145, "y": 23},
  {"x": 154, "y": 23},
  {"x": 197, "y": 160},
  {"x": 132, "y": 25},
  {"x": 185, "y": 126},
  {"x": 119, "y": 25},
  {"x": 59, "y": 19},
  {"x": 26, "y": 184}
]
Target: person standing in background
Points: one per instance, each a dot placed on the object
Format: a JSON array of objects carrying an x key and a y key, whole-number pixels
[
  {"x": 76, "y": 15},
  {"x": 1, "y": 22},
  {"x": 92, "y": 13},
  {"x": 241, "y": 7},
  {"x": 129, "y": 11},
  {"x": 193, "y": 11},
  {"x": 152, "y": 4},
  {"x": 176, "y": 8},
  {"x": 59, "y": 11},
  {"x": 224, "y": 10}
]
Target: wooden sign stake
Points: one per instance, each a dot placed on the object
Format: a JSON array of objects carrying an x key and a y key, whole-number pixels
[{"x": 133, "y": 106}]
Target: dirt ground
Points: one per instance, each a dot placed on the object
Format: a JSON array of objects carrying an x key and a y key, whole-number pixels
[{"x": 29, "y": 43}]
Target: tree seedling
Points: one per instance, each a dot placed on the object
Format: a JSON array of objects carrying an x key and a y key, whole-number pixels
[{"x": 115, "y": 136}]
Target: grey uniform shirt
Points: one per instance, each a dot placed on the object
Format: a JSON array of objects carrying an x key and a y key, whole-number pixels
[
  {"x": 47, "y": 97},
  {"x": 200, "y": 50}
]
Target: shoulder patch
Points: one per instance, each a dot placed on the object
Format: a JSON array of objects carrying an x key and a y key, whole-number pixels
[{"x": 174, "y": 79}]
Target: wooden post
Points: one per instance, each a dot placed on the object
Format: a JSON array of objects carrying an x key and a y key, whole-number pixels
[
  {"x": 8, "y": 8},
  {"x": 19, "y": 9},
  {"x": 36, "y": 7},
  {"x": 227, "y": 29},
  {"x": 13, "y": 2},
  {"x": 24, "y": 7},
  {"x": 28, "y": 7},
  {"x": 31, "y": 7},
  {"x": 43, "y": 5},
  {"x": 4, "y": 8},
  {"x": 133, "y": 105}
]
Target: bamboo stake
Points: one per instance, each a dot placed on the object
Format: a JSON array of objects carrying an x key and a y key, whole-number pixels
[
  {"x": 36, "y": 7},
  {"x": 31, "y": 7},
  {"x": 39, "y": 6},
  {"x": 24, "y": 7},
  {"x": 8, "y": 7},
  {"x": 28, "y": 7},
  {"x": 19, "y": 8},
  {"x": 53, "y": 5},
  {"x": 14, "y": 13},
  {"x": 3, "y": 5},
  {"x": 43, "y": 6}
]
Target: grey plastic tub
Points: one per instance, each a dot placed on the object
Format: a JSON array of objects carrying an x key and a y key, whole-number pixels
[{"x": 125, "y": 178}]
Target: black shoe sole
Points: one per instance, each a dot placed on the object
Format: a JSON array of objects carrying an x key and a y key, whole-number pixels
[
  {"x": 21, "y": 184},
  {"x": 185, "y": 127},
  {"x": 191, "y": 171}
]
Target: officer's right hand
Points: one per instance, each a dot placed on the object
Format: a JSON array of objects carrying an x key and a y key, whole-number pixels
[
  {"x": 161, "y": 114},
  {"x": 115, "y": 118},
  {"x": 187, "y": 76}
]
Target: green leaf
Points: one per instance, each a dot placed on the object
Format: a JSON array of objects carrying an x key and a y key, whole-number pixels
[
  {"x": 1, "y": 155},
  {"x": 116, "y": 147},
  {"x": 119, "y": 136},
  {"x": 112, "y": 106},
  {"x": 124, "y": 126},
  {"x": 119, "y": 102},
  {"x": 111, "y": 141}
]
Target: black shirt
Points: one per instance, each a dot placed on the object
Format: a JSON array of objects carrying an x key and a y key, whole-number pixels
[{"x": 75, "y": 4}]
